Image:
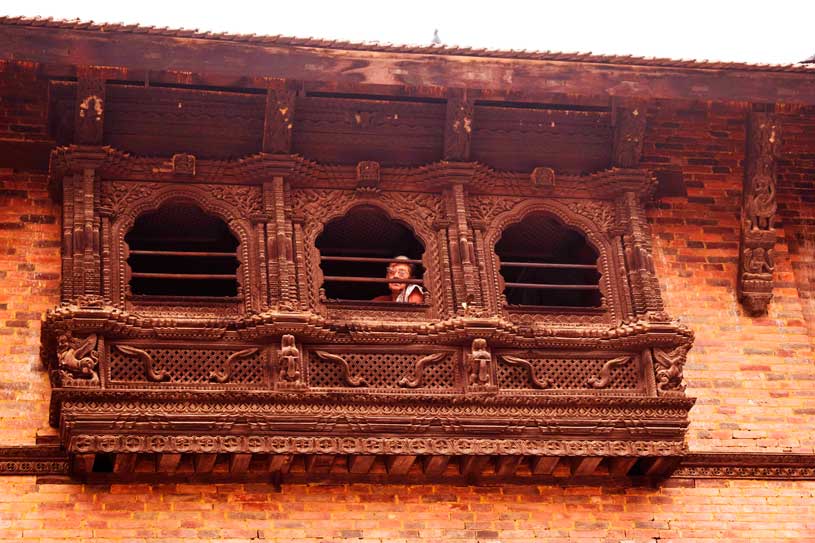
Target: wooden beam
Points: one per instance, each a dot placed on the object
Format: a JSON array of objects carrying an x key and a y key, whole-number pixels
[
  {"x": 585, "y": 465},
  {"x": 526, "y": 78},
  {"x": 239, "y": 462},
  {"x": 204, "y": 462},
  {"x": 544, "y": 465},
  {"x": 83, "y": 463},
  {"x": 89, "y": 116},
  {"x": 661, "y": 466},
  {"x": 125, "y": 463},
  {"x": 472, "y": 466},
  {"x": 435, "y": 465},
  {"x": 280, "y": 462},
  {"x": 319, "y": 464},
  {"x": 621, "y": 465},
  {"x": 167, "y": 462},
  {"x": 399, "y": 465},
  {"x": 506, "y": 466},
  {"x": 360, "y": 463}
]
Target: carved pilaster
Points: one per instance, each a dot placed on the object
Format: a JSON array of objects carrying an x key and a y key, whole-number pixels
[
  {"x": 89, "y": 119},
  {"x": 280, "y": 244},
  {"x": 756, "y": 263},
  {"x": 81, "y": 236},
  {"x": 279, "y": 120},
  {"x": 629, "y": 132},
  {"x": 458, "y": 125},
  {"x": 642, "y": 281},
  {"x": 462, "y": 250}
]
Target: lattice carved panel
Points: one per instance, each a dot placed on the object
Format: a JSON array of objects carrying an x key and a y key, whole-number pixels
[
  {"x": 384, "y": 370},
  {"x": 187, "y": 366},
  {"x": 561, "y": 373}
]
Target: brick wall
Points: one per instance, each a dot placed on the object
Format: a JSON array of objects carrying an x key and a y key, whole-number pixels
[{"x": 687, "y": 511}]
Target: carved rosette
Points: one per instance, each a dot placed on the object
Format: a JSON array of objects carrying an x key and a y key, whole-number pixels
[{"x": 756, "y": 262}]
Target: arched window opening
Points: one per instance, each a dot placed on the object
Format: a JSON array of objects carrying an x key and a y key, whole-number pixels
[
  {"x": 545, "y": 263},
  {"x": 356, "y": 250},
  {"x": 178, "y": 250}
]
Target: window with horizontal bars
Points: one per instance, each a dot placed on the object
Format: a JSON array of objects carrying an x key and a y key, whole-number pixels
[
  {"x": 356, "y": 249},
  {"x": 179, "y": 250},
  {"x": 545, "y": 263}
]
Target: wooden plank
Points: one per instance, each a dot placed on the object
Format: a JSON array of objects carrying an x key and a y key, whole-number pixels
[
  {"x": 319, "y": 464},
  {"x": 620, "y": 466},
  {"x": 239, "y": 463},
  {"x": 435, "y": 465},
  {"x": 125, "y": 463},
  {"x": 399, "y": 465},
  {"x": 473, "y": 465},
  {"x": 167, "y": 462},
  {"x": 280, "y": 462},
  {"x": 204, "y": 462},
  {"x": 544, "y": 465},
  {"x": 506, "y": 466},
  {"x": 360, "y": 463},
  {"x": 529, "y": 78},
  {"x": 585, "y": 465}
]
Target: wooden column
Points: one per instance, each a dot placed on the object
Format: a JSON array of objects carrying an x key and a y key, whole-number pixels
[
  {"x": 644, "y": 286},
  {"x": 279, "y": 244},
  {"x": 756, "y": 262}
]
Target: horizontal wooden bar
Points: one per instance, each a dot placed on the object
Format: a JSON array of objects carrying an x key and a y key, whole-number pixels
[
  {"x": 182, "y": 275},
  {"x": 548, "y": 265},
  {"x": 351, "y": 279},
  {"x": 547, "y": 286},
  {"x": 368, "y": 259},
  {"x": 181, "y": 253}
]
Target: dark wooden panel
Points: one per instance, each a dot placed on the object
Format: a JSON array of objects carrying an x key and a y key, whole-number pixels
[
  {"x": 347, "y": 130},
  {"x": 162, "y": 121},
  {"x": 520, "y": 139}
]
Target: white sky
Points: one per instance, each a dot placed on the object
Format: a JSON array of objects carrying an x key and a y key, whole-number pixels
[{"x": 776, "y": 31}]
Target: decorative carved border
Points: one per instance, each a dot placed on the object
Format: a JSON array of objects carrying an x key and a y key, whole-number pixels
[
  {"x": 745, "y": 465},
  {"x": 33, "y": 460}
]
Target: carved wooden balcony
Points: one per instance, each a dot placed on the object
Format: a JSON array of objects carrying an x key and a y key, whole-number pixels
[{"x": 281, "y": 372}]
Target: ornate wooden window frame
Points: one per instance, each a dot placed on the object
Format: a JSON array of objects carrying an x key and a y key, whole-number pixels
[{"x": 600, "y": 390}]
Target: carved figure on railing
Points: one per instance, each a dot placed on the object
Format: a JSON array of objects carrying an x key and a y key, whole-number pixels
[
  {"x": 758, "y": 260},
  {"x": 669, "y": 368},
  {"x": 761, "y": 205},
  {"x": 480, "y": 360},
  {"x": 289, "y": 359},
  {"x": 77, "y": 357}
]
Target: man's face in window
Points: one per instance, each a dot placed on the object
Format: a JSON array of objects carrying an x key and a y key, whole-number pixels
[{"x": 398, "y": 270}]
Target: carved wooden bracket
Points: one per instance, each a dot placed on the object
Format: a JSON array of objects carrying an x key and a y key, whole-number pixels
[
  {"x": 90, "y": 106},
  {"x": 279, "y": 118},
  {"x": 458, "y": 125},
  {"x": 629, "y": 132},
  {"x": 756, "y": 265}
]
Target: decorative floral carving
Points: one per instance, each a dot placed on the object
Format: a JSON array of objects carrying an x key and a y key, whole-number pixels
[
  {"x": 246, "y": 199},
  {"x": 415, "y": 380},
  {"x": 530, "y": 370},
  {"x": 149, "y": 371},
  {"x": 604, "y": 378},
  {"x": 356, "y": 381},
  {"x": 224, "y": 375},
  {"x": 599, "y": 212}
]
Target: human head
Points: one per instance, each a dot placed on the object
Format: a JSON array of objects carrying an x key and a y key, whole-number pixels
[{"x": 399, "y": 270}]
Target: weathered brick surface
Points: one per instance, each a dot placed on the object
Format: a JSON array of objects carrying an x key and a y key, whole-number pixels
[
  {"x": 29, "y": 285},
  {"x": 687, "y": 511},
  {"x": 753, "y": 376},
  {"x": 23, "y": 103}
]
